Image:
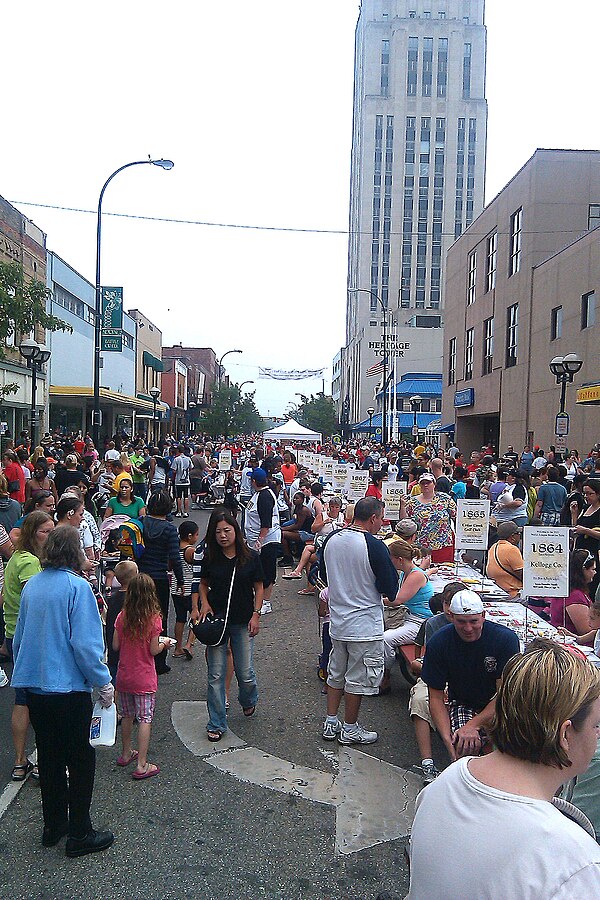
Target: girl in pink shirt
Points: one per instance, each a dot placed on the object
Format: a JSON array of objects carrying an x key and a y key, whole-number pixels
[{"x": 137, "y": 640}]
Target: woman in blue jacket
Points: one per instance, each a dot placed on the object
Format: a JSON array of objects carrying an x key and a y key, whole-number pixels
[{"x": 58, "y": 648}]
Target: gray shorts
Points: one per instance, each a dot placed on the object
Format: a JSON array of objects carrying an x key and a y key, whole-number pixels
[{"x": 355, "y": 666}]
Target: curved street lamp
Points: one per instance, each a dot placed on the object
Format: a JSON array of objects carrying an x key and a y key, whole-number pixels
[
  {"x": 415, "y": 405},
  {"x": 36, "y": 355},
  {"x": 167, "y": 165},
  {"x": 564, "y": 369},
  {"x": 243, "y": 383},
  {"x": 219, "y": 368},
  {"x": 385, "y": 350}
]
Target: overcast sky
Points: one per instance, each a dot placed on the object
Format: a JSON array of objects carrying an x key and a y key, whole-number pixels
[{"x": 253, "y": 102}]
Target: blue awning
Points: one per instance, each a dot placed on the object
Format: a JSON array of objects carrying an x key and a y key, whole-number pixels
[
  {"x": 405, "y": 422},
  {"x": 447, "y": 429}
]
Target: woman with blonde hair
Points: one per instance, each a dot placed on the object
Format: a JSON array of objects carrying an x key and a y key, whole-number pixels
[
  {"x": 500, "y": 806},
  {"x": 404, "y": 615}
]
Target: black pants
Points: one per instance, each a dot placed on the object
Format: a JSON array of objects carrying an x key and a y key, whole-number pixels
[
  {"x": 164, "y": 595},
  {"x": 62, "y": 733}
]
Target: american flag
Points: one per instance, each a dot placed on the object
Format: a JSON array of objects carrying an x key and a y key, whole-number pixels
[{"x": 376, "y": 369}]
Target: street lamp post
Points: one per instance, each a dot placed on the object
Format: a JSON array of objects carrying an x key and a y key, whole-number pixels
[
  {"x": 243, "y": 383},
  {"x": 155, "y": 394},
  {"x": 370, "y": 412},
  {"x": 385, "y": 349},
  {"x": 191, "y": 408},
  {"x": 36, "y": 355},
  {"x": 564, "y": 368},
  {"x": 166, "y": 164},
  {"x": 415, "y": 405},
  {"x": 227, "y": 352}
]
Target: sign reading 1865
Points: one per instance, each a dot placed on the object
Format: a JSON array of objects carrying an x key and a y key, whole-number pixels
[{"x": 112, "y": 319}]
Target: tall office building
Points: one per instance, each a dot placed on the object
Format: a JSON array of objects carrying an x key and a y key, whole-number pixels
[{"x": 417, "y": 178}]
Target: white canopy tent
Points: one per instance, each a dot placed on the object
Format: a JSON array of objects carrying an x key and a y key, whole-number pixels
[{"x": 292, "y": 431}]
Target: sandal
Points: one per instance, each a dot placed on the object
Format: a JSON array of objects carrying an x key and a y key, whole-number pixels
[
  {"x": 291, "y": 576},
  {"x": 214, "y": 736},
  {"x": 148, "y": 772},
  {"x": 20, "y": 772},
  {"x": 249, "y": 711},
  {"x": 125, "y": 762},
  {"x": 307, "y": 592}
]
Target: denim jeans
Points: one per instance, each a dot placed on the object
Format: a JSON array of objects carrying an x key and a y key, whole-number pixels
[{"x": 242, "y": 647}]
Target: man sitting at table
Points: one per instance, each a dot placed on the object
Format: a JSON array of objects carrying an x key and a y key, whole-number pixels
[
  {"x": 505, "y": 562},
  {"x": 467, "y": 657}
]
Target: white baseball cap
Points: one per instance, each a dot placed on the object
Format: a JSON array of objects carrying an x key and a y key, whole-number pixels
[{"x": 466, "y": 603}]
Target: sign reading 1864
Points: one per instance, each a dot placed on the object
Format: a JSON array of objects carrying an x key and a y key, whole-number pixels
[{"x": 112, "y": 319}]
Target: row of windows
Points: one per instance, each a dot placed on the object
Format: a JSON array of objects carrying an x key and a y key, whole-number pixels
[
  {"x": 73, "y": 304},
  {"x": 511, "y": 347},
  {"x": 424, "y": 406},
  {"x": 587, "y": 316},
  {"x": 491, "y": 257},
  {"x": 412, "y": 69}
]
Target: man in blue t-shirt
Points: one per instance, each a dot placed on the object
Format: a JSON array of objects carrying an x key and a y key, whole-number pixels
[{"x": 468, "y": 657}]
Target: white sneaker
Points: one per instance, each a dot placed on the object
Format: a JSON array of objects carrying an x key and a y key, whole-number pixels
[
  {"x": 331, "y": 730},
  {"x": 356, "y": 735},
  {"x": 3, "y": 678},
  {"x": 430, "y": 772},
  {"x": 266, "y": 607}
]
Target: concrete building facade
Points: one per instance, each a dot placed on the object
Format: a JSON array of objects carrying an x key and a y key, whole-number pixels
[
  {"x": 521, "y": 288},
  {"x": 417, "y": 176}
]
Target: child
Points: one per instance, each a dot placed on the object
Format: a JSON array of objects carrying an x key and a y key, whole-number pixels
[
  {"x": 188, "y": 538},
  {"x": 123, "y": 573},
  {"x": 230, "y": 491},
  {"x": 137, "y": 638}
]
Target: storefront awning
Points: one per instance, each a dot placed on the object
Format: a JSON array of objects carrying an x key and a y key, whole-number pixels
[
  {"x": 589, "y": 394},
  {"x": 152, "y": 361},
  {"x": 64, "y": 392}
]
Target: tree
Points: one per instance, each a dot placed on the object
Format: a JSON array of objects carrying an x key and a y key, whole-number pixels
[
  {"x": 230, "y": 413},
  {"x": 22, "y": 306},
  {"x": 315, "y": 412}
]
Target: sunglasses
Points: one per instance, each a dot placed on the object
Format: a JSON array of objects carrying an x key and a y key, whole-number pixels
[{"x": 588, "y": 561}]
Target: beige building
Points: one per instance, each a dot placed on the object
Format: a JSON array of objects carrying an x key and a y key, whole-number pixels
[
  {"x": 148, "y": 373},
  {"x": 522, "y": 286},
  {"x": 417, "y": 178}
]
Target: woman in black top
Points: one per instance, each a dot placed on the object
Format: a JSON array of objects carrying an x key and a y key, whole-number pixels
[
  {"x": 587, "y": 529},
  {"x": 228, "y": 557}
]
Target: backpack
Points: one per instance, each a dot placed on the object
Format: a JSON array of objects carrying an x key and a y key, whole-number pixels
[
  {"x": 130, "y": 539},
  {"x": 531, "y": 501}
]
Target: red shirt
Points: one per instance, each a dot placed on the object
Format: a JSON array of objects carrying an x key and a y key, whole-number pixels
[
  {"x": 79, "y": 446},
  {"x": 137, "y": 673},
  {"x": 14, "y": 472}
]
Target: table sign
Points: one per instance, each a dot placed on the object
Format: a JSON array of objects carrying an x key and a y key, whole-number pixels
[
  {"x": 339, "y": 474},
  {"x": 546, "y": 557},
  {"x": 393, "y": 494},
  {"x": 224, "y": 460},
  {"x": 472, "y": 524},
  {"x": 358, "y": 482}
]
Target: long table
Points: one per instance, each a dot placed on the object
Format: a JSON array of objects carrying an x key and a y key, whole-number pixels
[{"x": 471, "y": 578}]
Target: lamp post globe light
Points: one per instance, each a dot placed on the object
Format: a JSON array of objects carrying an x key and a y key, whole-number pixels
[
  {"x": 370, "y": 413},
  {"x": 167, "y": 165},
  {"x": 220, "y": 365},
  {"x": 415, "y": 405},
  {"x": 36, "y": 355},
  {"x": 155, "y": 394},
  {"x": 564, "y": 369},
  {"x": 385, "y": 350}
]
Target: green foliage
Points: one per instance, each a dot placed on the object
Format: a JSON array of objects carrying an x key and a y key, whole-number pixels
[
  {"x": 23, "y": 305},
  {"x": 230, "y": 413},
  {"x": 315, "y": 412}
]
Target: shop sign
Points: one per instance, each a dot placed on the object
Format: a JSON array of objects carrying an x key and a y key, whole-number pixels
[{"x": 465, "y": 397}]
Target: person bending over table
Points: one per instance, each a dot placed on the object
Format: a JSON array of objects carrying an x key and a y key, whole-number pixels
[{"x": 505, "y": 561}]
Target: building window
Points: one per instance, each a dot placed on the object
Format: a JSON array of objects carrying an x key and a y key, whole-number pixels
[
  {"x": 466, "y": 91},
  {"x": 488, "y": 346},
  {"x": 128, "y": 340},
  {"x": 452, "y": 360},
  {"x": 556, "y": 318},
  {"x": 512, "y": 334},
  {"x": 427, "y": 71},
  {"x": 413, "y": 63},
  {"x": 588, "y": 310},
  {"x": 376, "y": 213},
  {"x": 514, "y": 262},
  {"x": 469, "y": 346},
  {"x": 472, "y": 277},
  {"x": 442, "y": 67},
  {"x": 385, "y": 68},
  {"x": 491, "y": 261},
  {"x": 593, "y": 215}
]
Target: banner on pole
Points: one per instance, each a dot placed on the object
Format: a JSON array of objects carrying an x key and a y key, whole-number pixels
[
  {"x": 546, "y": 561},
  {"x": 472, "y": 524},
  {"x": 112, "y": 320},
  {"x": 289, "y": 374}
]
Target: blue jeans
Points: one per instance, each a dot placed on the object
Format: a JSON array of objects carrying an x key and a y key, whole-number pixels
[{"x": 242, "y": 647}]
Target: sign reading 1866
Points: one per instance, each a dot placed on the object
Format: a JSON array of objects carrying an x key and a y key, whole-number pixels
[{"x": 112, "y": 319}]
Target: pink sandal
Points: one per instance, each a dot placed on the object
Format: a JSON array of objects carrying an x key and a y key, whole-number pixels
[{"x": 125, "y": 762}]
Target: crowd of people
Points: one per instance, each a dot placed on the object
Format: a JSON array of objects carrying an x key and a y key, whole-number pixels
[{"x": 64, "y": 504}]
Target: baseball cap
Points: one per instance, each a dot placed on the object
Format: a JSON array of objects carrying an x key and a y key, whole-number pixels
[
  {"x": 507, "y": 529},
  {"x": 259, "y": 476},
  {"x": 426, "y": 477},
  {"x": 406, "y": 527},
  {"x": 466, "y": 603}
]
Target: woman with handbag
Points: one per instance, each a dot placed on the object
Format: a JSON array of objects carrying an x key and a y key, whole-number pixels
[{"x": 231, "y": 594}]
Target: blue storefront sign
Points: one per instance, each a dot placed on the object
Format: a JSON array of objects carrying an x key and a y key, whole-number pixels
[{"x": 465, "y": 397}]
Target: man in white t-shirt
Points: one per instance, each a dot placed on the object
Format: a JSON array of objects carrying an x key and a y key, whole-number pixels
[{"x": 112, "y": 454}]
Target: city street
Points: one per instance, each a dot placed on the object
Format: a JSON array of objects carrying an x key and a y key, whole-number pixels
[{"x": 221, "y": 822}]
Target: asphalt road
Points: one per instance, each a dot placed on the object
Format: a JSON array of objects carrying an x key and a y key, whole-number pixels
[{"x": 196, "y": 831}]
